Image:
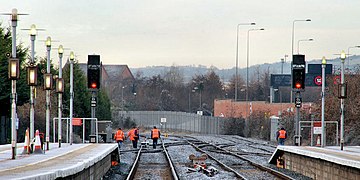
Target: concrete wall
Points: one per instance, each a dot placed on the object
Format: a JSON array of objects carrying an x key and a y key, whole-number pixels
[
  {"x": 97, "y": 171},
  {"x": 319, "y": 169}
]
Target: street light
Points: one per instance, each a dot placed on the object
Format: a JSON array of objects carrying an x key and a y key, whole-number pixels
[
  {"x": 60, "y": 90},
  {"x": 247, "y": 67},
  {"x": 298, "y": 45},
  {"x": 32, "y": 111},
  {"x": 323, "y": 80},
  {"x": 292, "y": 46},
  {"x": 342, "y": 80},
  {"x": 237, "y": 55},
  {"x": 122, "y": 98},
  {"x": 48, "y": 86},
  {"x": 349, "y": 54},
  {"x": 13, "y": 75},
  {"x": 283, "y": 60},
  {"x": 71, "y": 94}
]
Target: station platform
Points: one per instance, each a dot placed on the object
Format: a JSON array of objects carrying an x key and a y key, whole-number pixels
[
  {"x": 320, "y": 163},
  {"x": 66, "y": 161}
]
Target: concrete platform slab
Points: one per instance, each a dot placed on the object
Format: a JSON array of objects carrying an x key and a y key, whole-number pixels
[
  {"x": 55, "y": 163},
  {"x": 350, "y": 156}
]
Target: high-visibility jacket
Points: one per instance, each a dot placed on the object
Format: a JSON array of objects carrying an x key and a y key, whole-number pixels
[
  {"x": 132, "y": 134},
  {"x": 119, "y": 135},
  {"x": 155, "y": 133},
  {"x": 282, "y": 134}
]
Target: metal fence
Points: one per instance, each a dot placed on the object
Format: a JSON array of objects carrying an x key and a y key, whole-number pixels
[{"x": 177, "y": 121}]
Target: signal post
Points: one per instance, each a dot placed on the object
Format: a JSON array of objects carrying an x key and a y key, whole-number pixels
[
  {"x": 298, "y": 86},
  {"x": 94, "y": 79}
]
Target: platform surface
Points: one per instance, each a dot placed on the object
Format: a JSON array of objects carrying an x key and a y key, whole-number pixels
[
  {"x": 57, "y": 162},
  {"x": 350, "y": 156}
]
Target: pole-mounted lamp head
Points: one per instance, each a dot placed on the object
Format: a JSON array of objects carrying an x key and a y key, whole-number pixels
[
  {"x": 48, "y": 81},
  {"x": 60, "y": 51},
  {"x": 72, "y": 56},
  {"x": 323, "y": 62},
  {"x": 13, "y": 69},
  {"x": 343, "y": 56},
  {"x": 48, "y": 41},
  {"x": 33, "y": 30},
  {"x": 32, "y": 75}
]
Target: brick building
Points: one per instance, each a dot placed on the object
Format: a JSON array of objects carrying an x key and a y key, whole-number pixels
[{"x": 229, "y": 108}]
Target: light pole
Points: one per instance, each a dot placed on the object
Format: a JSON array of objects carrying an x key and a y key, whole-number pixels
[
  {"x": 323, "y": 80},
  {"x": 122, "y": 98},
  {"x": 48, "y": 87},
  {"x": 349, "y": 55},
  {"x": 283, "y": 60},
  {"x": 298, "y": 44},
  {"x": 13, "y": 75},
  {"x": 342, "y": 99},
  {"x": 71, "y": 94},
  {"x": 60, "y": 90},
  {"x": 32, "y": 87},
  {"x": 237, "y": 56},
  {"x": 247, "y": 68},
  {"x": 292, "y": 46}
]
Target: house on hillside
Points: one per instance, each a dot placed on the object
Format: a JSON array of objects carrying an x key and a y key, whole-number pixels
[{"x": 115, "y": 79}]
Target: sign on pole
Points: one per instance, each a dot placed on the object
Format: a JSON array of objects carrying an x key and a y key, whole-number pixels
[
  {"x": 163, "y": 120},
  {"x": 93, "y": 101},
  {"x": 317, "y": 128}
]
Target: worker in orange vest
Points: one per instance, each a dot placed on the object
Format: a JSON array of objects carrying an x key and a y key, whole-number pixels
[
  {"x": 133, "y": 136},
  {"x": 281, "y": 136},
  {"x": 119, "y": 137},
  {"x": 155, "y": 135}
]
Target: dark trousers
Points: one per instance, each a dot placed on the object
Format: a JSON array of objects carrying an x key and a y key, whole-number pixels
[
  {"x": 119, "y": 143},
  {"x": 281, "y": 141},
  {"x": 134, "y": 142},
  {"x": 155, "y": 142}
]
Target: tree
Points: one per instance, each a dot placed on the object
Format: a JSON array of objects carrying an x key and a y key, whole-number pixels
[{"x": 5, "y": 84}]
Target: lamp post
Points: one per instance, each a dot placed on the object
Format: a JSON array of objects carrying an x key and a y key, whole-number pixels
[
  {"x": 60, "y": 90},
  {"x": 342, "y": 98},
  {"x": 71, "y": 94},
  {"x": 237, "y": 56},
  {"x": 122, "y": 98},
  {"x": 32, "y": 76},
  {"x": 48, "y": 87},
  {"x": 323, "y": 80},
  {"x": 298, "y": 44},
  {"x": 247, "y": 68},
  {"x": 13, "y": 75},
  {"x": 283, "y": 60},
  {"x": 292, "y": 46},
  {"x": 349, "y": 55}
]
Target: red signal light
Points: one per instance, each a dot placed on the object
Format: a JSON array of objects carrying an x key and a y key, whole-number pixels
[
  {"x": 93, "y": 85},
  {"x": 297, "y": 85}
]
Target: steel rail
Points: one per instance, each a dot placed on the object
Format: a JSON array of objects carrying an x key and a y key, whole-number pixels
[
  {"x": 135, "y": 166},
  {"x": 172, "y": 168},
  {"x": 261, "y": 167},
  {"x": 218, "y": 161}
]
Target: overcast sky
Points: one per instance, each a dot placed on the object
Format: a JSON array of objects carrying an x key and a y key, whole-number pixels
[{"x": 143, "y": 33}]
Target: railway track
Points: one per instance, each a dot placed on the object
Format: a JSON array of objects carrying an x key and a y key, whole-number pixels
[
  {"x": 241, "y": 166},
  {"x": 153, "y": 164}
]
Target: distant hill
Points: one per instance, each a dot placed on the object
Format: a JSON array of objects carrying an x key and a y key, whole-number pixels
[{"x": 226, "y": 74}]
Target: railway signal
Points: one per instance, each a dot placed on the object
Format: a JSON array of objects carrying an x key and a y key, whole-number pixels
[{"x": 94, "y": 72}]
